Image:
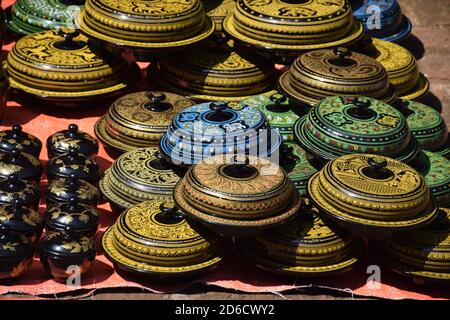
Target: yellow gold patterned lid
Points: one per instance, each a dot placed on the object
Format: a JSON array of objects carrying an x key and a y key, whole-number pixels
[
  {"x": 307, "y": 245},
  {"x": 152, "y": 238},
  {"x": 422, "y": 253},
  {"x": 402, "y": 69},
  {"x": 139, "y": 119},
  {"x": 372, "y": 195},
  {"x": 319, "y": 74},
  {"x": 137, "y": 176},
  {"x": 240, "y": 194},
  {"x": 60, "y": 64},
  {"x": 293, "y": 25},
  {"x": 216, "y": 72},
  {"x": 145, "y": 24}
]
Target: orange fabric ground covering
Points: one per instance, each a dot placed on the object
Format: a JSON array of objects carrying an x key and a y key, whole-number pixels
[{"x": 236, "y": 273}]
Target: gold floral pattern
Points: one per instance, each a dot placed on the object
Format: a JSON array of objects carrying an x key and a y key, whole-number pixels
[{"x": 83, "y": 245}]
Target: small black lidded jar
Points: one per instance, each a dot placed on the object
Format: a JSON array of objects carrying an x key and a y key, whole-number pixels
[
  {"x": 12, "y": 188},
  {"x": 73, "y": 162},
  {"x": 16, "y": 253},
  {"x": 22, "y": 164},
  {"x": 61, "y": 142},
  {"x": 65, "y": 253},
  {"x": 17, "y": 138},
  {"x": 81, "y": 218},
  {"x": 61, "y": 190},
  {"x": 21, "y": 219}
]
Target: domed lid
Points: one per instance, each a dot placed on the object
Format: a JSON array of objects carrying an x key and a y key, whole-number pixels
[
  {"x": 218, "y": 10},
  {"x": 62, "y": 190},
  {"x": 319, "y": 74},
  {"x": 61, "y": 65},
  {"x": 436, "y": 170},
  {"x": 60, "y": 142},
  {"x": 31, "y": 16},
  {"x": 23, "y": 165},
  {"x": 13, "y": 245},
  {"x": 294, "y": 161},
  {"x": 278, "y": 112},
  {"x": 137, "y": 176},
  {"x": 402, "y": 69},
  {"x": 27, "y": 191},
  {"x": 392, "y": 24},
  {"x": 16, "y": 138},
  {"x": 425, "y": 123},
  {"x": 82, "y": 218},
  {"x": 217, "y": 128},
  {"x": 445, "y": 149},
  {"x": 422, "y": 253},
  {"x": 152, "y": 238},
  {"x": 215, "y": 71},
  {"x": 293, "y": 25},
  {"x": 241, "y": 194},
  {"x": 139, "y": 119},
  {"x": 73, "y": 162},
  {"x": 352, "y": 124},
  {"x": 142, "y": 24},
  {"x": 372, "y": 195},
  {"x": 307, "y": 245},
  {"x": 21, "y": 219},
  {"x": 67, "y": 244}
]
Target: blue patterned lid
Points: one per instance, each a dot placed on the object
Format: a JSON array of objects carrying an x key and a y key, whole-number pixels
[
  {"x": 382, "y": 19},
  {"x": 216, "y": 128}
]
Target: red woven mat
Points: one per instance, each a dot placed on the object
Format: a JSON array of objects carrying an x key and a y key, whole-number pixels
[{"x": 236, "y": 273}]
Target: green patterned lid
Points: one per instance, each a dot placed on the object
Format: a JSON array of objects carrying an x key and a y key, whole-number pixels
[
  {"x": 436, "y": 170},
  {"x": 342, "y": 125},
  {"x": 277, "y": 110},
  {"x": 294, "y": 161},
  {"x": 30, "y": 16},
  {"x": 425, "y": 123}
]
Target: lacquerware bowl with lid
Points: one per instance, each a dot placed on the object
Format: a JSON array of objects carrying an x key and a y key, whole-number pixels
[
  {"x": 17, "y": 138},
  {"x": 215, "y": 71},
  {"x": 425, "y": 123},
  {"x": 13, "y": 188},
  {"x": 319, "y": 74},
  {"x": 400, "y": 64},
  {"x": 138, "y": 176},
  {"x": 215, "y": 128},
  {"x": 62, "y": 190},
  {"x": 285, "y": 28},
  {"x": 60, "y": 67},
  {"x": 31, "y": 16},
  {"x": 305, "y": 246},
  {"x": 23, "y": 165},
  {"x": 278, "y": 111},
  {"x": 422, "y": 254},
  {"x": 60, "y": 142},
  {"x": 83, "y": 220},
  {"x": 139, "y": 119},
  {"x": 61, "y": 167},
  {"x": 391, "y": 25},
  {"x": 436, "y": 170},
  {"x": 154, "y": 239},
  {"x": 64, "y": 253},
  {"x": 342, "y": 125},
  {"x": 237, "y": 196},
  {"x": 143, "y": 29},
  {"x": 16, "y": 253},
  {"x": 372, "y": 196},
  {"x": 21, "y": 219}
]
